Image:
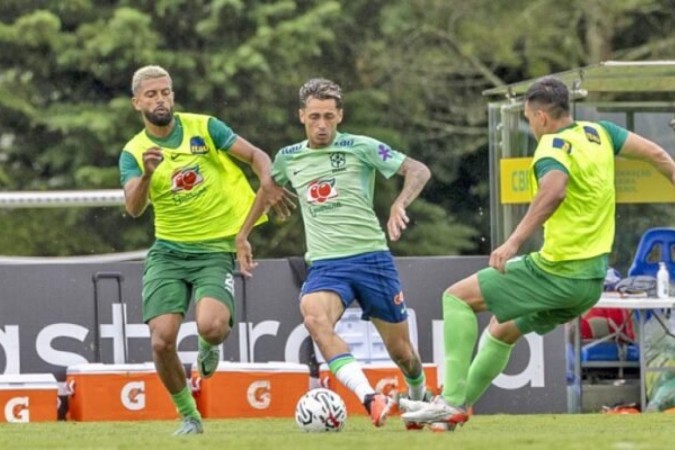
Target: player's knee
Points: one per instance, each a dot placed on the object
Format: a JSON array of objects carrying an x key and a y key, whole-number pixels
[
  {"x": 316, "y": 325},
  {"x": 214, "y": 330},
  {"x": 162, "y": 346}
]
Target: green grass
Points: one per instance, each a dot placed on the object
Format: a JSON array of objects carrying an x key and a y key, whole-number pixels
[{"x": 498, "y": 432}]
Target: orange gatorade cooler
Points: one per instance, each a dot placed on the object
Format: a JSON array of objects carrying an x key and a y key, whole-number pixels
[
  {"x": 251, "y": 389},
  {"x": 117, "y": 392},
  {"x": 384, "y": 377},
  {"x": 28, "y": 398}
]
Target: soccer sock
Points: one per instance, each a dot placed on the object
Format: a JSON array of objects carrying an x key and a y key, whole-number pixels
[
  {"x": 460, "y": 331},
  {"x": 416, "y": 386},
  {"x": 203, "y": 344},
  {"x": 349, "y": 373},
  {"x": 185, "y": 404},
  {"x": 490, "y": 361}
]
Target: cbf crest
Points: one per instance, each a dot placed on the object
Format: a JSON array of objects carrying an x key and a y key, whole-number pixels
[{"x": 338, "y": 162}]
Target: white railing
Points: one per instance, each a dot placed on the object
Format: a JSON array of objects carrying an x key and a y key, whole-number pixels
[
  {"x": 66, "y": 199},
  {"x": 60, "y": 199}
]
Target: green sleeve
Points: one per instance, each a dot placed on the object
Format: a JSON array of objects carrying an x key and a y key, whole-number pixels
[
  {"x": 617, "y": 134},
  {"x": 222, "y": 135},
  {"x": 545, "y": 165},
  {"x": 279, "y": 169},
  {"x": 129, "y": 168},
  {"x": 381, "y": 157}
]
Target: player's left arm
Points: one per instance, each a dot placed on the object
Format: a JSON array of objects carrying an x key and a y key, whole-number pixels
[
  {"x": 415, "y": 177},
  {"x": 552, "y": 192},
  {"x": 638, "y": 147},
  {"x": 275, "y": 196}
]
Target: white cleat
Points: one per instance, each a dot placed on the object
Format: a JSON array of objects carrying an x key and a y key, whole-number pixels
[
  {"x": 407, "y": 405},
  {"x": 436, "y": 412}
]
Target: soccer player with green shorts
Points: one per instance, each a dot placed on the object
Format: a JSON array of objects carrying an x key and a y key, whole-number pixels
[
  {"x": 181, "y": 163},
  {"x": 333, "y": 174},
  {"x": 572, "y": 175}
]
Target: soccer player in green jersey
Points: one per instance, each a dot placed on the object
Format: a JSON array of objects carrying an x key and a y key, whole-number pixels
[
  {"x": 572, "y": 174},
  {"x": 333, "y": 174},
  {"x": 181, "y": 163}
]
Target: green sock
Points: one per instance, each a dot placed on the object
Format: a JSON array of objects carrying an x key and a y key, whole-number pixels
[
  {"x": 416, "y": 386},
  {"x": 185, "y": 404},
  {"x": 490, "y": 361},
  {"x": 203, "y": 345},
  {"x": 460, "y": 331}
]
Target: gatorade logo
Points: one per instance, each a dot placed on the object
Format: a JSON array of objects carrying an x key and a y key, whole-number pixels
[
  {"x": 259, "y": 395},
  {"x": 16, "y": 410},
  {"x": 387, "y": 385},
  {"x": 133, "y": 395}
]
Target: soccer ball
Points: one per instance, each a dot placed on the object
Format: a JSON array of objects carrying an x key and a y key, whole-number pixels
[{"x": 320, "y": 410}]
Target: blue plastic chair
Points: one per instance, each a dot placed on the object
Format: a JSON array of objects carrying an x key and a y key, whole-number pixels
[{"x": 655, "y": 245}]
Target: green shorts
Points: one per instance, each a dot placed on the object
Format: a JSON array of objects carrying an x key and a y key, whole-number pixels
[
  {"x": 537, "y": 300},
  {"x": 172, "y": 278}
]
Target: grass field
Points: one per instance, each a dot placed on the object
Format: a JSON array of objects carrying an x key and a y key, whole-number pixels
[{"x": 498, "y": 432}]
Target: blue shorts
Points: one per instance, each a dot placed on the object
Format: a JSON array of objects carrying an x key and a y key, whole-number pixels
[{"x": 370, "y": 278}]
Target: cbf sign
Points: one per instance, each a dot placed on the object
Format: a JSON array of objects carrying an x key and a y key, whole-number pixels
[{"x": 636, "y": 182}]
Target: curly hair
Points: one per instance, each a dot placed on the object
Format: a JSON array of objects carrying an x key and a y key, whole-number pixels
[{"x": 322, "y": 89}]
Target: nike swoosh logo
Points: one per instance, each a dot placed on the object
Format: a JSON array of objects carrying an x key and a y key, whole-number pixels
[
  {"x": 174, "y": 156},
  {"x": 295, "y": 172}
]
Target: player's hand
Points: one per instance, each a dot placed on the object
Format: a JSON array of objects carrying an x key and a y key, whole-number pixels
[
  {"x": 501, "y": 255},
  {"x": 152, "y": 158},
  {"x": 278, "y": 198},
  {"x": 245, "y": 257},
  {"x": 398, "y": 221}
]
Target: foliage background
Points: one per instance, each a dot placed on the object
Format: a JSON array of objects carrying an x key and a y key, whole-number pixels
[{"x": 413, "y": 70}]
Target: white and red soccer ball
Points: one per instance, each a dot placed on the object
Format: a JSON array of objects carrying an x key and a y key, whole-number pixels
[{"x": 320, "y": 410}]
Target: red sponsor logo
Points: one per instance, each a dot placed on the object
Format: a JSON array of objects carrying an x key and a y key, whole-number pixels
[
  {"x": 186, "y": 179},
  {"x": 321, "y": 190}
]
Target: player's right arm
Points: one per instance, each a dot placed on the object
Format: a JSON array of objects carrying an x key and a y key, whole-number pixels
[
  {"x": 136, "y": 181},
  {"x": 551, "y": 193}
]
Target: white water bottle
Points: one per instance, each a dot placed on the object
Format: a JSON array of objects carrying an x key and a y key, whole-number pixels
[{"x": 662, "y": 281}]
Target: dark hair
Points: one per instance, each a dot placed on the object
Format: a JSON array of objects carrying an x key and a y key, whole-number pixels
[
  {"x": 551, "y": 94},
  {"x": 322, "y": 89}
]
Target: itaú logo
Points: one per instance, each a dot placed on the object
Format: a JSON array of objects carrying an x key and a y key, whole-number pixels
[
  {"x": 259, "y": 395},
  {"x": 133, "y": 395},
  {"x": 16, "y": 410}
]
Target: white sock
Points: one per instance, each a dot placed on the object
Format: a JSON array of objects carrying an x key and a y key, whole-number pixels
[{"x": 355, "y": 380}]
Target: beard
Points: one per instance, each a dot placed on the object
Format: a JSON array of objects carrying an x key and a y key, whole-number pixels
[{"x": 161, "y": 118}]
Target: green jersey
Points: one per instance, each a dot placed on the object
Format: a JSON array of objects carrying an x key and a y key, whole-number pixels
[{"x": 335, "y": 187}]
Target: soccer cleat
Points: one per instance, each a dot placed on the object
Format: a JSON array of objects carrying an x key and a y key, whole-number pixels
[
  {"x": 407, "y": 405},
  {"x": 189, "y": 425},
  {"x": 438, "y": 413},
  {"x": 413, "y": 426},
  {"x": 377, "y": 406},
  {"x": 207, "y": 360}
]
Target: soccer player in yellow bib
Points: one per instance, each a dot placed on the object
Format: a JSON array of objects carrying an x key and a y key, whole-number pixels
[
  {"x": 181, "y": 164},
  {"x": 573, "y": 177}
]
